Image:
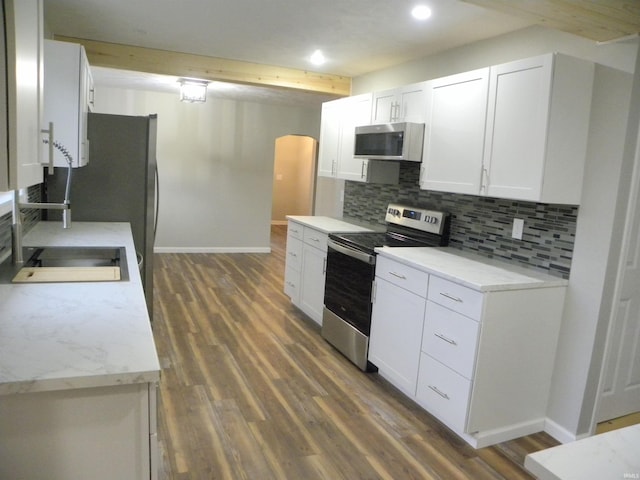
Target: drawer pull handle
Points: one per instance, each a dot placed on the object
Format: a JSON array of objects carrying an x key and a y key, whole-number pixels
[
  {"x": 451, "y": 297},
  {"x": 293, "y": 254},
  {"x": 398, "y": 275},
  {"x": 442, "y": 394},
  {"x": 446, "y": 339},
  {"x": 315, "y": 239}
]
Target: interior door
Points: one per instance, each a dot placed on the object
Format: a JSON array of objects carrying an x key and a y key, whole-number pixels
[{"x": 620, "y": 391}]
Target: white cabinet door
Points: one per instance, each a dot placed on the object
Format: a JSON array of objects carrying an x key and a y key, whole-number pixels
[
  {"x": 403, "y": 104},
  {"x": 537, "y": 128},
  {"x": 455, "y": 132},
  {"x": 396, "y": 334},
  {"x": 329, "y": 147},
  {"x": 67, "y": 81},
  {"x": 24, "y": 43},
  {"x": 313, "y": 276},
  {"x": 100, "y": 433},
  {"x": 517, "y": 126},
  {"x": 356, "y": 111}
]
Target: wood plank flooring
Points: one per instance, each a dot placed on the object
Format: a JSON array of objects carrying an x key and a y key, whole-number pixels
[{"x": 250, "y": 390}]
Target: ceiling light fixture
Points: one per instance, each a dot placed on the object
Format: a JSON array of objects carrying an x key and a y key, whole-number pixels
[
  {"x": 421, "y": 12},
  {"x": 317, "y": 58},
  {"x": 192, "y": 90}
]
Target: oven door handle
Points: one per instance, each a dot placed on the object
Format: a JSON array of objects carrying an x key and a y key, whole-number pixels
[{"x": 362, "y": 256}]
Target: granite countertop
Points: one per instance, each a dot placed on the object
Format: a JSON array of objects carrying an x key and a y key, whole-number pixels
[
  {"x": 334, "y": 225},
  {"x": 614, "y": 454},
  {"x": 57, "y": 336},
  {"x": 474, "y": 271}
]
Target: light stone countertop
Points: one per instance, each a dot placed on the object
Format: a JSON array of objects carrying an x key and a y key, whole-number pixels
[
  {"x": 332, "y": 225},
  {"x": 56, "y": 336},
  {"x": 473, "y": 271},
  {"x": 611, "y": 455}
]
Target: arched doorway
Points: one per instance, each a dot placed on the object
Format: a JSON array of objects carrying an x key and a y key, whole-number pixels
[{"x": 294, "y": 175}]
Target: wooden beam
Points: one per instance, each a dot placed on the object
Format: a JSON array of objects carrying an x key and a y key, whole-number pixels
[
  {"x": 149, "y": 60},
  {"x": 600, "y": 20}
]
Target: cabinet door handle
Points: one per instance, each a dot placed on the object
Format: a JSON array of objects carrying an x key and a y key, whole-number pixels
[
  {"x": 439, "y": 392},
  {"x": 373, "y": 291},
  {"x": 324, "y": 265},
  {"x": 451, "y": 297},
  {"x": 362, "y": 170},
  {"x": 50, "y": 141},
  {"x": 398, "y": 275},
  {"x": 446, "y": 339}
]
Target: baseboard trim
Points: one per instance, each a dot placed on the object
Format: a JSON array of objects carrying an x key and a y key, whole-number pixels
[
  {"x": 212, "y": 250},
  {"x": 499, "y": 435},
  {"x": 560, "y": 433}
]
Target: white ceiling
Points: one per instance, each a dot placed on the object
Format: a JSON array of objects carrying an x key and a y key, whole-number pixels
[{"x": 356, "y": 36}]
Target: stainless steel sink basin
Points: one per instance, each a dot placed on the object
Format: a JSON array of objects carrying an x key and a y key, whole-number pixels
[{"x": 68, "y": 264}]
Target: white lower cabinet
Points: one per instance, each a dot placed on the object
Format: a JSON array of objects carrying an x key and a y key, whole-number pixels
[
  {"x": 98, "y": 433},
  {"x": 312, "y": 285},
  {"x": 306, "y": 257},
  {"x": 396, "y": 333},
  {"x": 479, "y": 361}
]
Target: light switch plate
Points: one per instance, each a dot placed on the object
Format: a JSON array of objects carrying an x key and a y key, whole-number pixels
[{"x": 518, "y": 228}]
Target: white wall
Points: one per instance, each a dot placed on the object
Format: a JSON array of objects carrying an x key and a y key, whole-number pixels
[
  {"x": 588, "y": 301},
  {"x": 216, "y": 166}
]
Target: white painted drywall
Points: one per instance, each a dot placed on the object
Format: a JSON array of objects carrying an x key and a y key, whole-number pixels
[{"x": 216, "y": 166}]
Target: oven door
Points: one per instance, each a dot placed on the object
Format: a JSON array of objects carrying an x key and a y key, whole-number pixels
[{"x": 348, "y": 283}]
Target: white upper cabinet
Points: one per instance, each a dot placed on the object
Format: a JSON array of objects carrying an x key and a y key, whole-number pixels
[
  {"x": 20, "y": 139},
  {"x": 537, "y": 127},
  {"x": 329, "y": 147},
  {"x": 454, "y": 134},
  {"x": 517, "y": 130},
  {"x": 337, "y": 137},
  {"x": 68, "y": 97},
  {"x": 403, "y": 104}
]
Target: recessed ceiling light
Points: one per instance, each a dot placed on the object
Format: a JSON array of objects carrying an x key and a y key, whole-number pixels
[
  {"x": 317, "y": 58},
  {"x": 421, "y": 12}
]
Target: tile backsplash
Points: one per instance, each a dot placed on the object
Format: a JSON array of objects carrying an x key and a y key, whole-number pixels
[
  {"x": 30, "y": 218},
  {"x": 479, "y": 224}
]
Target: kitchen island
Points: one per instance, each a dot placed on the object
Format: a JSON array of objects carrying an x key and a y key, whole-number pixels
[{"x": 78, "y": 369}]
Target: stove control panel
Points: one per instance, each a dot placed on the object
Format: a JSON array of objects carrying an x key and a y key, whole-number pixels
[{"x": 419, "y": 218}]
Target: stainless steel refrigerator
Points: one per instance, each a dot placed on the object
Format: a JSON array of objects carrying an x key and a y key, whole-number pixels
[{"x": 118, "y": 184}]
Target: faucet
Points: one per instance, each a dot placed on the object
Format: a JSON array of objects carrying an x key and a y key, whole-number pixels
[{"x": 65, "y": 206}]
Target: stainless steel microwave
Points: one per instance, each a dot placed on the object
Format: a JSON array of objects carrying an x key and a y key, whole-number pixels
[{"x": 390, "y": 141}]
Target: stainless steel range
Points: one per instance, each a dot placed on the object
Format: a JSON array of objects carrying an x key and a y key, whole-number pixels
[{"x": 350, "y": 271}]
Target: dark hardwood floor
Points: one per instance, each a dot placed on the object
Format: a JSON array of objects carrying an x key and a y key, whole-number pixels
[{"x": 250, "y": 390}]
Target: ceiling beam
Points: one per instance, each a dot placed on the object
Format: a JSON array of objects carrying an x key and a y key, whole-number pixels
[
  {"x": 600, "y": 20},
  {"x": 149, "y": 60}
]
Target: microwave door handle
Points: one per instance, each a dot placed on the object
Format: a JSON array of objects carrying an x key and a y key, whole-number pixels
[{"x": 362, "y": 256}]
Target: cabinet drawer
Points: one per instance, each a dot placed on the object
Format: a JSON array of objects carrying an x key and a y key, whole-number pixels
[
  {"x": 294, "y": 253},
  {"x": 315, "y": 238},
  {"x": 402, "y": 275},
  {"x": 292, "y": 284},
  {"x": 295, "y": 230},
  {"x": 443, "y": 392},
  {"x": 450, "y": 338},
  {"x": 456, "y": 297}
]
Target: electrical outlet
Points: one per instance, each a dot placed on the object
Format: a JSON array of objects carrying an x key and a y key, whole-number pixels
[{"x": 518, "y": 228}]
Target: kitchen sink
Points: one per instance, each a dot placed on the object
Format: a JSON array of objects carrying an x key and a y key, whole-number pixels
[{"x": 73, "y": 264}]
